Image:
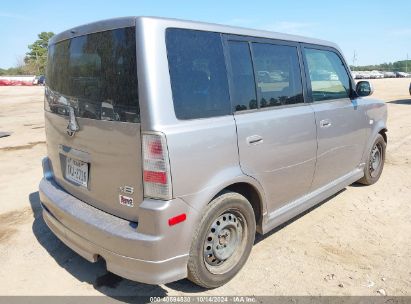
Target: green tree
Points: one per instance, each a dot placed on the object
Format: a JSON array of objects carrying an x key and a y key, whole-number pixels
[
  {"x": 36, "y": 58},
  {"x": 400, "y": 66}
]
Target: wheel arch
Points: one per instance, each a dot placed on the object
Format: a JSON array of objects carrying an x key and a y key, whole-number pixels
[
  {"x": 253, "y": 195},
  {"x": 383, "y": 133},
  {"x": 231, "y": 179},
  {"x": 379, "y": 128}
]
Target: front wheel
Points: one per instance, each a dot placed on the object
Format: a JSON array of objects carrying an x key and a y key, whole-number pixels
[
  {"x": 375, "y": 162},
  {"x": 222, "y": 241}
]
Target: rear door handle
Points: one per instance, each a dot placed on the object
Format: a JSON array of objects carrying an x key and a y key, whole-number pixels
[
  {"x": 325, "y": 123},
  {"x": 254, "y": 140}
]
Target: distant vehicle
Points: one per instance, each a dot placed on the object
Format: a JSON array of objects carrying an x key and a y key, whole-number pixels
[
  {"x": 41, "y": 80},
  {"x": 401, "y": 74},
  {"x": 376, "y": 75},
  {"x": 363, "y": 75},
  {"x": 320, "y": 75},
  {"x": 17, "y": 80},
  {"x": 389, "y": 75},
  {"x": 357, "y": 75},
  {"x": 278, "y": 76},
  {"x": 264, "y": 76},
  {"x": 333, "y": 76},
  {"x": 107, "y": 111}
]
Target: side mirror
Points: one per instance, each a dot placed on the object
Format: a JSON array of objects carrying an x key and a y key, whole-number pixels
[
  {"x": 410, "y": 88},
  {"x": 364, "y": 88}
]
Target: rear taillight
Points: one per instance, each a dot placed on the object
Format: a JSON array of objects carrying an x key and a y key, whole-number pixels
[{"x": 156, "y": 168}]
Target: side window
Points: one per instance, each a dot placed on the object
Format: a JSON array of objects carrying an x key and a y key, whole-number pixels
[
  {"x": 328, "y": 76},
  {"x": 278, "y": 74},
  {"x": 198, "y": 74},
  {"x": 243, "y": 91}
]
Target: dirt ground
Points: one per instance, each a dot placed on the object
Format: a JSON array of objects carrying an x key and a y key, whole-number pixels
[{"x": 356, "y": 243}]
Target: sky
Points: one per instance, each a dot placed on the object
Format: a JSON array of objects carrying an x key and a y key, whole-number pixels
[{"x": 377, "y": 31}]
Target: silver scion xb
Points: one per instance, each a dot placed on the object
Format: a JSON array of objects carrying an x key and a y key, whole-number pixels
[{"x": 172, "y": 143}]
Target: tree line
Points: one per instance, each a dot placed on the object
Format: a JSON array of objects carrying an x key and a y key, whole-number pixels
[
  {"x": 35, "y": 60},
  {"x": 397, "y": 66}
]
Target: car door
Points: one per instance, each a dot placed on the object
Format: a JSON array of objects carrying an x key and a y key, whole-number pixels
[
  {"x": 276, "y": 130},
  {"x": 340, "y": 120}
]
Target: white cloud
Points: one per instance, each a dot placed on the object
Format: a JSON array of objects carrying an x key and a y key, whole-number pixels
[
  {"x": 404, "y": 32},
  {"x": 288, "y": 27},
  {"x": 12, "y": 16},
  {"x": 241, "y": 22},
  {"x": 291, "y": 27}
]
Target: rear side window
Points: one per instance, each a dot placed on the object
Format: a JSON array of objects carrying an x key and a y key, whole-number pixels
[
  {"x": 95, "y": 74},
  {"x": 197, "y": 73},
  {"x": 242, "y": 76},
  {"x": 278, "y": 75},
  {"x": 328, "y": 76}
]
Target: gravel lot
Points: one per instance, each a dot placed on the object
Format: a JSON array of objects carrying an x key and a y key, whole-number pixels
[{"x": 356, "y": 243}]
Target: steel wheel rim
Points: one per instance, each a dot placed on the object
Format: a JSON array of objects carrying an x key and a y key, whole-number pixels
[
  {"x": 375, "y": 160},
  {"x": 224, "y": 242}
]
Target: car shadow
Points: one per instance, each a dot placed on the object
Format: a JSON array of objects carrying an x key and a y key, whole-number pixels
[
  {"x": 108, "y": 283},
  {"x": 96, "y": 274},
  {"x": 358, "y": 185},
  {"x": 260, "y": 237},
  {"x": 401, "y": 101}
]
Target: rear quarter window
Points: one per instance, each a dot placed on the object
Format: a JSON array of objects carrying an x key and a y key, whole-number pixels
[{"x": 197, "y": 73}]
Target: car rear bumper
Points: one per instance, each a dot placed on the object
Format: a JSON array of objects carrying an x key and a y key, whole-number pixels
[{"x": 151, "y": 253}]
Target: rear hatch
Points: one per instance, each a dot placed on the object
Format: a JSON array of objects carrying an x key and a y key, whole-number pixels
[{"x": 93, "y": 119}]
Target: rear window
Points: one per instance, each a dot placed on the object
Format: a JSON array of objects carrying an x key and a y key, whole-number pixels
[
  {"x": 96, "y": 74},
  {"x": 198, "y": 74}
]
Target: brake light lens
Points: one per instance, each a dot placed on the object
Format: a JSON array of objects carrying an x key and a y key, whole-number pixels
[
  {"x": 155, "y": 177},
  {"x": 156, "y": 168}
]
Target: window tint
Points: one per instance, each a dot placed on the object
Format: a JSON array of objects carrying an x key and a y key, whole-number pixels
[
  {"x": 278, "y": 75},
  {"x": 329, "y": 78},
  {"x": 198, "y": 74},
  {"x": 96, "y": 74},
  {"x": 242, "y": 74}
]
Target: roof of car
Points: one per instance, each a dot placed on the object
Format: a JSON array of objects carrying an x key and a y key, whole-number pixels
[{"x": 114, "y": 23}]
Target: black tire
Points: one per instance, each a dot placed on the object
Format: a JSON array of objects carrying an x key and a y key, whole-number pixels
[
  {"x": 372, "y": 173},
  {"x": 236, "y": 228}
]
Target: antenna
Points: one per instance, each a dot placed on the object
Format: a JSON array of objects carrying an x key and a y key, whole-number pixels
[{"x": 354, "y": 58}]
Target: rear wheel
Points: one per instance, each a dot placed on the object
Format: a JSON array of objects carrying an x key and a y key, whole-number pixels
[
  {"x": 375, "y": 162},
  {"x": 223, "y": 241}
]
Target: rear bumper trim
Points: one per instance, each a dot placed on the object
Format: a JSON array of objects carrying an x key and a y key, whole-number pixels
[
  {"x": 149, "y": 272},
  {"x": 92, "y": 233}
]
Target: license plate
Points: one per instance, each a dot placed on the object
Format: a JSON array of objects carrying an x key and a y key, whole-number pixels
[{"x": 77, "y": 171}]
